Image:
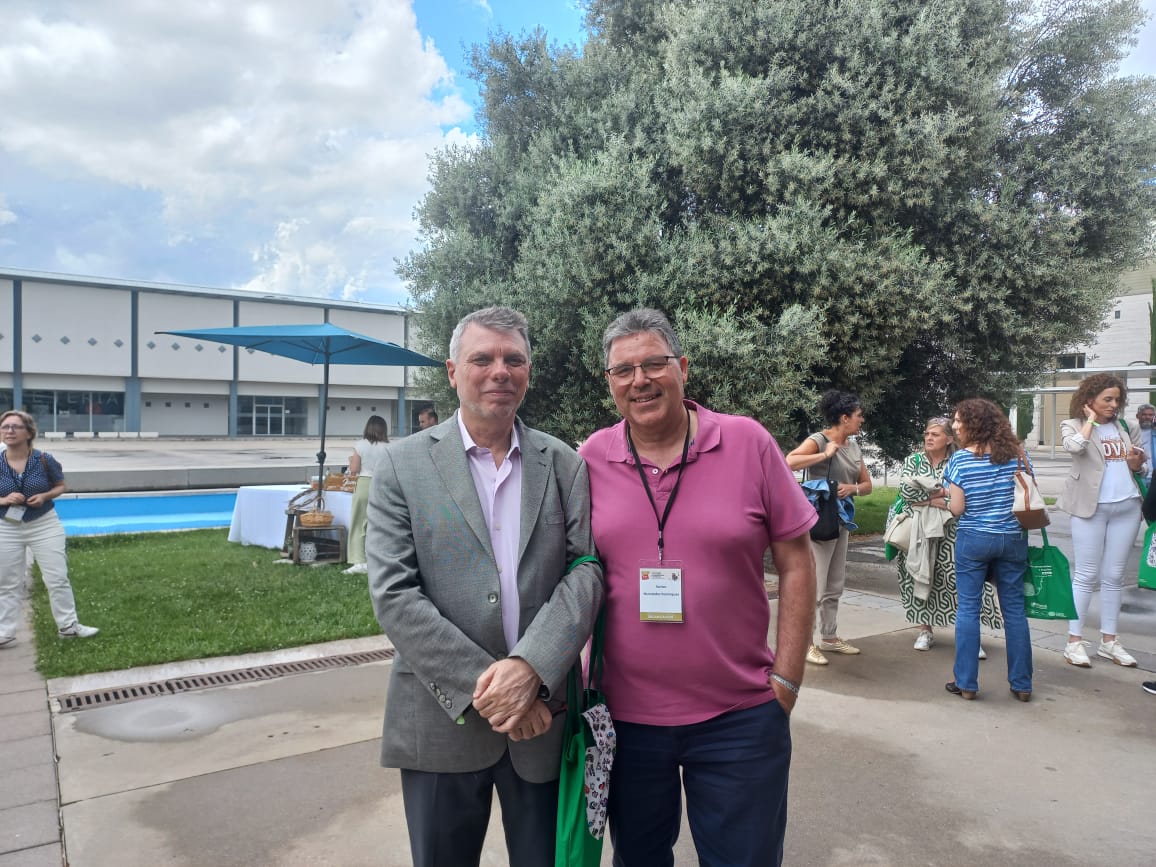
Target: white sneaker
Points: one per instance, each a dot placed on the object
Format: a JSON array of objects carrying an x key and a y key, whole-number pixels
[
  {"x": 77, "y": 630},
  {"x": 1115, "y": 651},
  {"x": 356, "y": 569},
  {"x": 816, "y": 657},
  {"x": 982, "y": 652},
  {"x": 1075, "y": 654},
  {"x": 924, "y": 640},
  {"x": 5, "y": 640}
]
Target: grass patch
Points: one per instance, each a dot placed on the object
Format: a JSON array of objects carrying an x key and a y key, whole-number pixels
[
  {"x": 163, "y": 597},
  {"x": 871, "y": 510}
]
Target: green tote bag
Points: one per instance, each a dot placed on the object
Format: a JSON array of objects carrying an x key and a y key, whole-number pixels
[
  {"x": 1048, "y": 584},
  {"x": 582, "y": 797}
]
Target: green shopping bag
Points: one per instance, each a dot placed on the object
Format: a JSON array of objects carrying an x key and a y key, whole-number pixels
[
  {"x": 575, "y": 845},
  {"x": 1147, "y": 579},
  {"x": 1048, "y": 584}
]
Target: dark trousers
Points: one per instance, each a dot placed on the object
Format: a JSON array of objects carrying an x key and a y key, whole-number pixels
[
  {"x": 447, "y": 816},
  {"x": 734, "y": 769}
]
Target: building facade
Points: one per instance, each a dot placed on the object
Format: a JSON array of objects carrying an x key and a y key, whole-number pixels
[{"x": 84, "y": 357}]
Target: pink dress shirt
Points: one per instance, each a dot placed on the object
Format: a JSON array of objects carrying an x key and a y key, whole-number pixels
[{"x": 500, "y": 493}]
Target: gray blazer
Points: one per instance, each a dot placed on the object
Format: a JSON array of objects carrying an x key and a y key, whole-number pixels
[
  {"x": 1081, "y": 494},
  {"x": 434, "y": 584}
]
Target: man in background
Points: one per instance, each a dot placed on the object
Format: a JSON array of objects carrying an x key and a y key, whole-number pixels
[
  {"x": 427, "y": 418},
  {"x": 1145, "y": 416}
]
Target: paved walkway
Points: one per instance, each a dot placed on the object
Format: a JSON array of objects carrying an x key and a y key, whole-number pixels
[{"x": 888, "y": 768}]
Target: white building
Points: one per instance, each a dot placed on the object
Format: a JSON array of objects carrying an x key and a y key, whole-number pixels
[
  {"x": 1122, "y": 347},
  {"x": 83, "y": 355}
]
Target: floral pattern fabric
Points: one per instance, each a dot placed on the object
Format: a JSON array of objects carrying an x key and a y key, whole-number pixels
[{"x": 599, "y": 760}]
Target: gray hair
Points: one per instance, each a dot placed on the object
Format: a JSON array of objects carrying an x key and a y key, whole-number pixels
[
  {"x": 642, "y": 320},
  {"x": 1143, "y": 407},
  {"x": 504, "y": 319}
]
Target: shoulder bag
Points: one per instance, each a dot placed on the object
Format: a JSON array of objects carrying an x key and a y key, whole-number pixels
[
  {"x": 1029, "y": 507},
  {"x": 1048, "y": 584},
  {"x": 827, "y": 507},
  {"x": 588, "y": 744}
]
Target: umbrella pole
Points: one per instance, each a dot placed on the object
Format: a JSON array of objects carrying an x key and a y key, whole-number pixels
[{"x": 323, "y": 412}]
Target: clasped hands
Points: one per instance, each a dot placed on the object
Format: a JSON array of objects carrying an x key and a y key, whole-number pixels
[{"x": 506, "y": 695}]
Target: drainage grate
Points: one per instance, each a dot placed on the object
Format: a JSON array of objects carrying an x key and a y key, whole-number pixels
[{"x": 103, "y": 697}]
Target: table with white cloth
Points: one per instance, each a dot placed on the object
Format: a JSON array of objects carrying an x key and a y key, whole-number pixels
[{"x": 259, "y": 513}]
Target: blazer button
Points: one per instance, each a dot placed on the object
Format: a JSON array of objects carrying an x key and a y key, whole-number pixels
[{"x": 492, "y": 598}]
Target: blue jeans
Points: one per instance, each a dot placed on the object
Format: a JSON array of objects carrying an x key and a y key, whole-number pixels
[
  {"x": 734, "y": 769},
  {"x": 1005, "y": 555}
]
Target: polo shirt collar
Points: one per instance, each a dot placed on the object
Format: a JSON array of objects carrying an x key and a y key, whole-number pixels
[{"x": 707, "y": 436}]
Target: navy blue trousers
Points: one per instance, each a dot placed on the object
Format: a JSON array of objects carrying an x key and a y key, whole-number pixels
[{"x": 734, "y": 769}]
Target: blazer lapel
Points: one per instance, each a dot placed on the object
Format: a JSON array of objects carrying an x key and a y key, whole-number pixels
[
  {"x": 535, "y": 477},
  {"x": 448, "y": 455}
]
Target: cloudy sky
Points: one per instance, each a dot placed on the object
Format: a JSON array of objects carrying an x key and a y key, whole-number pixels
[{"x": 274, "y": 146}]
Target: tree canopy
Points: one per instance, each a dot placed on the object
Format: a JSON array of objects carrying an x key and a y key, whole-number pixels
[{"x": 914, "y": 200}]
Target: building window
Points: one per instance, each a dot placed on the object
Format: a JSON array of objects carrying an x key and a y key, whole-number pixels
[
  {"x": 263, "y": 416},
  {"x": 73, "y": 411},
  {"x": 1071, "y": 361}
]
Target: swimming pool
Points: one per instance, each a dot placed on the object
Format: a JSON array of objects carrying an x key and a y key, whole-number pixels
[{"x": 94, "y": 515}]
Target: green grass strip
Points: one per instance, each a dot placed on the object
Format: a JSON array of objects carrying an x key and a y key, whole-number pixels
[{"x": 164, "y": 597}]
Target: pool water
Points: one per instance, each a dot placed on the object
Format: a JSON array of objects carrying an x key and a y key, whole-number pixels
[{"x": 145, "y": 513}]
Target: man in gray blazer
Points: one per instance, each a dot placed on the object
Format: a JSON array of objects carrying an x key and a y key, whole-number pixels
[{"x": 472, "y": 524}]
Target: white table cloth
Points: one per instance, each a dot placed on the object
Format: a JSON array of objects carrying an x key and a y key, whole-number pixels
[{"x": 259, "y": 513}]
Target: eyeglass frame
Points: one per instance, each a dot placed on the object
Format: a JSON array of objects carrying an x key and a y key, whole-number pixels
[
  {"x": 13, "y": 427},
  {"x": 626, "y": 377}
]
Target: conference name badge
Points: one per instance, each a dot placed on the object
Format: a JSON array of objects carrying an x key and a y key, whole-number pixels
[
  {"x": 660, "y": 591},
  {"x": 14, "y": 515}
]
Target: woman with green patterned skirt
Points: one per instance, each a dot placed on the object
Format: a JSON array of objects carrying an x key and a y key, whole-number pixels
[{"x": 921, "y": 484}]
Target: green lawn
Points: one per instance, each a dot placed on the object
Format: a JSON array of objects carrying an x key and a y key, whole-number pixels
[
  {"x": 161, "y": 597},
  {"x": 871, "y": 510}
]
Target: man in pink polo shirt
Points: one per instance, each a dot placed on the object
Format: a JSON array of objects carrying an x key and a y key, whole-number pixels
[{"x": 685, "y": 502}]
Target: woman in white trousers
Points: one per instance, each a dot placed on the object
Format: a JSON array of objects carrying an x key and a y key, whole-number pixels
[
  {"x": 29, "y": 481},
  {"x": 1103, "y": 498}
]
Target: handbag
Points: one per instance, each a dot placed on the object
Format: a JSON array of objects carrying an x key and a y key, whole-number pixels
[
  {"x": 827, "y": 507},
  {"x": 1048, "y": 584},
  {"x": 1029, "y": 507},
  {"x": 898, "y": 533},
  {"x": 587, "y": 755},
  {"x": 1147, "y": 578}
]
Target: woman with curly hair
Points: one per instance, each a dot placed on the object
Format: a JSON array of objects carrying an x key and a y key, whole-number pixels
[
  {"x": 988, "y": 540},
  {"x": 921, "y": 488},
  {"x": 1103, "y": 498}
]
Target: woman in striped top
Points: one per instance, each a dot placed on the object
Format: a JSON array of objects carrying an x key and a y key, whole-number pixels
[{"x": 988, "y": 539}]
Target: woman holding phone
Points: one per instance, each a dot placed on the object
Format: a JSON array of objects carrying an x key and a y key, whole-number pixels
[{"x": 1103, "y": 497}]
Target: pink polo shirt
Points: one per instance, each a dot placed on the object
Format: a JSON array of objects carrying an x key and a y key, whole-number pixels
[{"x": 737, "y": 496}]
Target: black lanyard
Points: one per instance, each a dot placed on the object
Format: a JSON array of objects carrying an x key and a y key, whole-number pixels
[{"x": 646, "y": 485}]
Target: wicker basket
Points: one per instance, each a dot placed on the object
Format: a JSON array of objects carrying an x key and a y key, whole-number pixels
[{"x": 315, "y": 518}]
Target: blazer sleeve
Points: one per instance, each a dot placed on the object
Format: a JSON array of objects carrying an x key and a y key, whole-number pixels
[
  {"x": 446, "y": 660},
  {"x": 555, "y": 637},
  {"x": 1072, "y": 439}
]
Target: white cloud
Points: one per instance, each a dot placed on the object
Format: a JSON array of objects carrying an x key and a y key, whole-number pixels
[
  {"x": 306, "y": 126},
  {"x": 6, "y": 216}
]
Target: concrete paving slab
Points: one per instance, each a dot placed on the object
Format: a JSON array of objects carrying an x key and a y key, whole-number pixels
[
  {"x": 145, "y": 743},
  {"x": 889, "y": 769},
  {"x": 22, "y": 702},
  {"x": 25, "y": 752},
  {"x": 30, "y": 825},
  {"x": 28, "y": 785},
  {"x": 18, "y": 726},
  {"x": 50, "y": 855}
]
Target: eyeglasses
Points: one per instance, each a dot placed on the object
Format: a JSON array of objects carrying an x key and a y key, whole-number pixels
[
  {"x": 651, "y": 368},
  {"x": 12, "y": 427}
]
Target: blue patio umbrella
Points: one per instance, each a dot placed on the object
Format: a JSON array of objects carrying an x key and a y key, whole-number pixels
[{"x": 314, "y": 344}]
